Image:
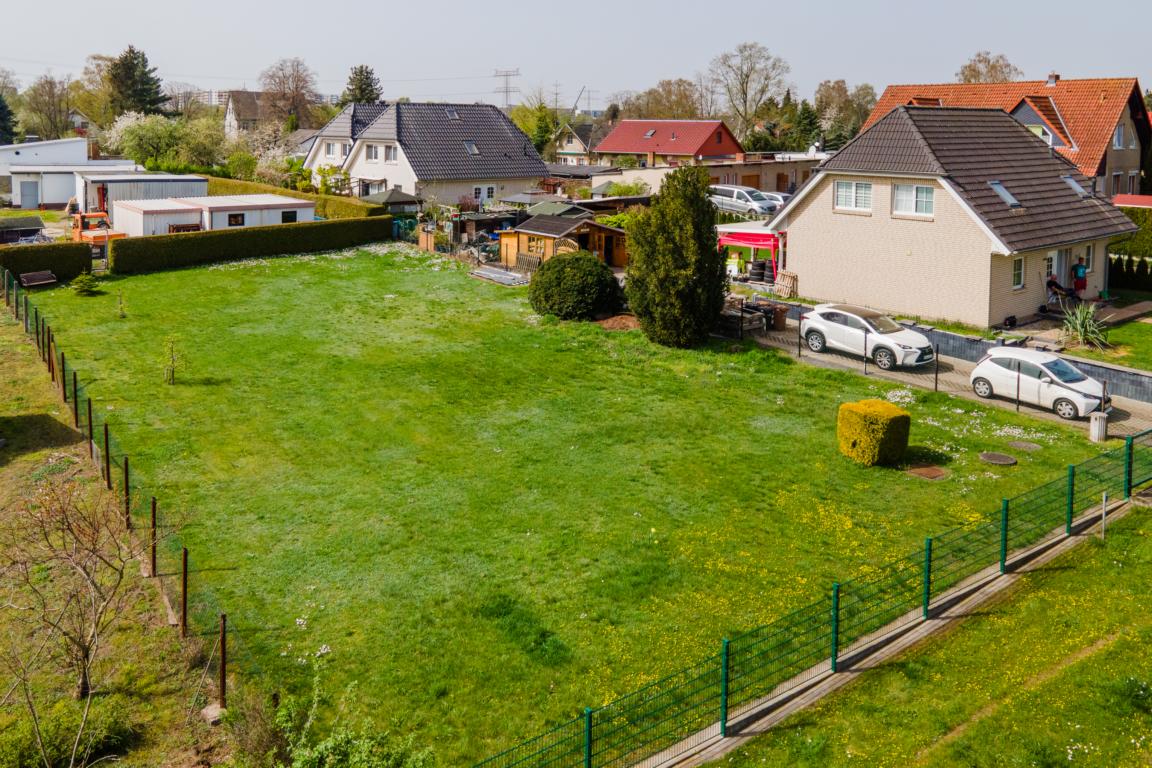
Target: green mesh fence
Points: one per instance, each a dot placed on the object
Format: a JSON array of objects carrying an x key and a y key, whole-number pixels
[
  {"x": 658, "y": 716},
  {"x": 1037, "y": 514},
  {"x": 1142, "y": 459},
  {"x": 1100, "y": 474},
  {"x": 962, "y": 552},
  {"x": 779, "y": 656},
  {"x": 561, "y": 747},
  {"x": 879, "y": 599}
]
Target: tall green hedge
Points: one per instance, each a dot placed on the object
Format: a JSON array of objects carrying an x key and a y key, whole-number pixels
[
  {"x": 1138, "y": 243},
  {"x": 65, "y": 260},
  {"x": 135, "y": 255},
  {"x": 327, "y": 206}
]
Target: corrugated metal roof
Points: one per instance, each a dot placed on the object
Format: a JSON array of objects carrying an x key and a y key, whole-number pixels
[{"x": 132, "y": 177}]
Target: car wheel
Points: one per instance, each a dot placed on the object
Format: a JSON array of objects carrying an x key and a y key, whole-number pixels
[
  {"x": 884, "y": 358},
  {"x": 982, "y": 388},
  {"x": 1065, "y": 409},
  {"x": 815, "y": 341}
]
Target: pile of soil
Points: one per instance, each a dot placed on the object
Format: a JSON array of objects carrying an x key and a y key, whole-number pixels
[{"x": 619, "y": 323}]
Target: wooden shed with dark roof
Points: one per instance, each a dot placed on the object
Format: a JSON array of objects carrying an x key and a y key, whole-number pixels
[
  {"x": 542, "y": 237},
  {"x": 952, "y": 213}
]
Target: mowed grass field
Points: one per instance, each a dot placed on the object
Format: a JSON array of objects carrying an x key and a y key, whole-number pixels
[
  {"x": 484, "y": 519},
  {"x": 1057, "y": 673}
]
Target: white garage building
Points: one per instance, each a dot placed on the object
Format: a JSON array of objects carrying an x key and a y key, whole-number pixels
[
  {"x": 97, "y": 191},
  {"x": 136, "y": 218},
  {"x": 52, "y": 186}
]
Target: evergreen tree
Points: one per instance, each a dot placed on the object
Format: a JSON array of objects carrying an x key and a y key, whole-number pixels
[
  {"x": 676, "y": 276},
  {"x": 134, "y": 84},
  {"x": 806, "y": 132},
  {"x": 544, "y": 128},
  {"x": 7, "y": 129},
  {"x": 363, "y": 87}
]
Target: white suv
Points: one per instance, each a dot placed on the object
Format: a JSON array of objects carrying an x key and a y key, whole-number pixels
[
  {"x": 864, "y": 332},
  {"x": 1038, "y": 378}
]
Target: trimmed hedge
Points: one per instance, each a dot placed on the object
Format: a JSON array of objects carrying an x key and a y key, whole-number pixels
[
  {"x": 327, "y": 206},
  {"x": 873, "y": 432},
  {"x": 136, "y": 255},
  {"x": 1138, "y": 243},
  {"x": 575, "y": 286},
  {"x": 65, "y": 260},
  {"x": 1129, "y": 272}
]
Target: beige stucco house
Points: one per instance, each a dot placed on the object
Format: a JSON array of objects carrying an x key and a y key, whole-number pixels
[{"x": 946, "y": 214}]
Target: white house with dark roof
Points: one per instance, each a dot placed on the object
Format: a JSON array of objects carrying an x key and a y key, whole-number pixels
[
  {"x": 439, "y": 152},
  {"x": 948, "y": 214}
]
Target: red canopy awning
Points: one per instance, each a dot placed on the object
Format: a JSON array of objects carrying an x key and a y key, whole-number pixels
[{"x": 750, "y": 239}]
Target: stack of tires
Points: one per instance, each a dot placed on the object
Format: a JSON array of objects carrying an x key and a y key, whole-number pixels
[{"x": 756, "y": 271}]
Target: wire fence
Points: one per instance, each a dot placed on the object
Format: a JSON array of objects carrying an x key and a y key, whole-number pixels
[
  {"x": 678, "y": 712},
  {"x": 156, "y": 528},
  {"x": 766, "y": 664}
]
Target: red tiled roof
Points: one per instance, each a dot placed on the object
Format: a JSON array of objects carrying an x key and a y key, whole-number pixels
[
  {"x": 1089, "y": 109},
  {"x": 669, "y": 137},
  {"x": 1046, "y": 108},
  {"x": 1132, "y": 201}
]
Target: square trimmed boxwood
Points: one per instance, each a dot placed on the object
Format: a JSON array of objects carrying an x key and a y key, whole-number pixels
[
  {"x": 873, "y": 432},
  {"x": 136, "y": 255},
  {"x": 65, "y": 260}
]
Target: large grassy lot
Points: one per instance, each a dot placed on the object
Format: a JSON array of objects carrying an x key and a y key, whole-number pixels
[
  {"x": 484, "y": 519},
  {"x": 1069, "y": 681}
]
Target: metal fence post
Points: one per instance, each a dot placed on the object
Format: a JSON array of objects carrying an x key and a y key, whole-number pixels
[
  {"x": 127, "y": 497},
  {"x": 1071, "y": 511},
  {"x": 927, "y": 574},
  {"x": 76, "y": 398},
  {"x": 865, "y": 351},
  {"x": 1128, "y": 467},
  {"x": 1004, "y": 536},
  {"x": 724, "y": 688},
  {"x": 91, "y": 432},
  {"x": 587, "y": 737},
  {"x": 152, "y": 563},
  {"x": 835, "y": 626},
  {"x": 107, "y": 458},
  {"x": 936, "y": 375},
  {"x": 63, "y": 377},
  {"x": 799, "y": 339}
]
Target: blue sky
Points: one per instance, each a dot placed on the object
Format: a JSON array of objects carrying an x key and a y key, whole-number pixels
[{"x": 448, "y": 50}]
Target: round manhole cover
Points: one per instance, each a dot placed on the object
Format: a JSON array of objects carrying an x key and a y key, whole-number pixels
[
  {"x": 1024, "y": 445},
  {"x": 999, "y": 459},
  {"x": 928, "y": 472}
]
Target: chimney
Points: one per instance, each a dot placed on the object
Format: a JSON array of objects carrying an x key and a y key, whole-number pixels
[{"x": 1053, "y": 78}]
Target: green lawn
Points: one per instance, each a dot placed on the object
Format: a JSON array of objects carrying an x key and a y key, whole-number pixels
[
  {"x": 1131, "y": 346},
  {"x": 1067, "y": 684},
  {"x": 489, "y": 519},
  {"x": 48, "y": 217}
]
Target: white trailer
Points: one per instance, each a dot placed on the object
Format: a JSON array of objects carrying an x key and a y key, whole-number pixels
[{"x": 136, "y": 218}]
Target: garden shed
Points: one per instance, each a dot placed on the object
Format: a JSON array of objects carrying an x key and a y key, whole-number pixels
[
  {"x": 12, "y": 228},
  {"x": 542, "y": 237}
]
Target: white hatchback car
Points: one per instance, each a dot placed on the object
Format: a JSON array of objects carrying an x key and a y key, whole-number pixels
[
  {"x": 1038, "y": 378},
  {"x": 864, "y": 332}
]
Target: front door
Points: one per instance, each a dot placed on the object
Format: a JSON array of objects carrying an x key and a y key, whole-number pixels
[{"x": 29, "y": 194}]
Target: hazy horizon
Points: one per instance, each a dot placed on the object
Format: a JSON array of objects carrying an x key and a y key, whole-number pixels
[{"x": 604, "y": 49}]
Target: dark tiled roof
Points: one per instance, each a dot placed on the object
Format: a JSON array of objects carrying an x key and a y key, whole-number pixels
[
  {"x": 550, "y": 226},
  {"x": 435, "y": 144},
  {"x": 391, "y": 197},
  {"x": 248, "y": 105},
  {"x": 972, "y": 147},
  {"x": 363, "y": 115},
  {"x": 21, "y": 222}
]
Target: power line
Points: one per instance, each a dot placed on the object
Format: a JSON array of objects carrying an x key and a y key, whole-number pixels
[{"x": 507, "y": 89}]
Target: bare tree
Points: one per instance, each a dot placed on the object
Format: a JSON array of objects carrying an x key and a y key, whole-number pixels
[
  {"x": 185, "y": 99},
  {"x": 9, "y": 85},
  {"x": 706, "y": 93},
  {"x": 290, "y": 89},
  {"x": 986, "y": 68},
  {"x": 44, "y": 107},
  {"x": 678, "y": 99},
  {"x": 748, "y": 77}
]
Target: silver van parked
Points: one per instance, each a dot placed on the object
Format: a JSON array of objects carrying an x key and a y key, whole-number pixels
[{"x": 728, "y": 197}]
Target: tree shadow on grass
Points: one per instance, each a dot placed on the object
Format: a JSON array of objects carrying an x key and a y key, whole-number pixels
[
  {"x": 202, "y": 381},
  {"x": 28, "y": 433},
  {"x": 918, "y": 455}
]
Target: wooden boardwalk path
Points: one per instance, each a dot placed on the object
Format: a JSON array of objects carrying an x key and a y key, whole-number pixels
[{"x": 881, "y": 647}]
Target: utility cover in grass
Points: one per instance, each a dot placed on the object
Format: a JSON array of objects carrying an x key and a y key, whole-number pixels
[{"x": 873, "y": 432}]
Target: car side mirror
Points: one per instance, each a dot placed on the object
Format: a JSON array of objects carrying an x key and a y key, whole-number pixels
[{"x": 1045, "y": 380}]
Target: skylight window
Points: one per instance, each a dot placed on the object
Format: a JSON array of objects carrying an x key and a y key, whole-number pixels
[
  {"x": 1005, "y": 195},
  {"x": 650, "y": 133},
  {"x": 1075, "y": 186},
  {"x": 472, "y": 148},
  {"x": 452, "y": 113}
]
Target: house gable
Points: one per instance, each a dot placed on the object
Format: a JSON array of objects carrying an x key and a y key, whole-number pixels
[{"x": 671, "y": 138}]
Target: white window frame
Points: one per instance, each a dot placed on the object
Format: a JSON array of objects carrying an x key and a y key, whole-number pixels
[
  {"x": 477, "y": 193},
  {"x": 372, "y": 153},
  {"x": 329, "y": 149},
  {"x": 391, "y": 154},
  {"x": 915, "y": 189},
  {"x": 1118, "y": 137},
  {"x": 1090, "y": 256},
  {"x": 856, "y": 188},
  {"x": 490, "y": 193},
  {"x": 1042, "y": 132},
  {"x": 1017, "y": 261},
  {"x": 1050, "y": 264}
]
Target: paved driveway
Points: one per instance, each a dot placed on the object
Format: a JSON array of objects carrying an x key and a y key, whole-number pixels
[{"x": 1127, "y": 417}]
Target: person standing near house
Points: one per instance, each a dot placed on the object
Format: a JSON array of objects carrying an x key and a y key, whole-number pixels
[{"x": 1079, "y": 277}]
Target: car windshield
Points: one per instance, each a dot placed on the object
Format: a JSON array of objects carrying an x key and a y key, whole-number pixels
[
  {"x": 883, "y": 324},
  {"x": 757, "y": 195},
  {"x": 1065, "y": 372}
]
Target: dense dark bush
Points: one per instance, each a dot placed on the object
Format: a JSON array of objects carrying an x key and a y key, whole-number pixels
[
  {"x": 65, "y": 260},
  {"x": 575, "y": 286},
  {"x": 135, "y": 255},
  {"x": 327, "y": 206}
]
